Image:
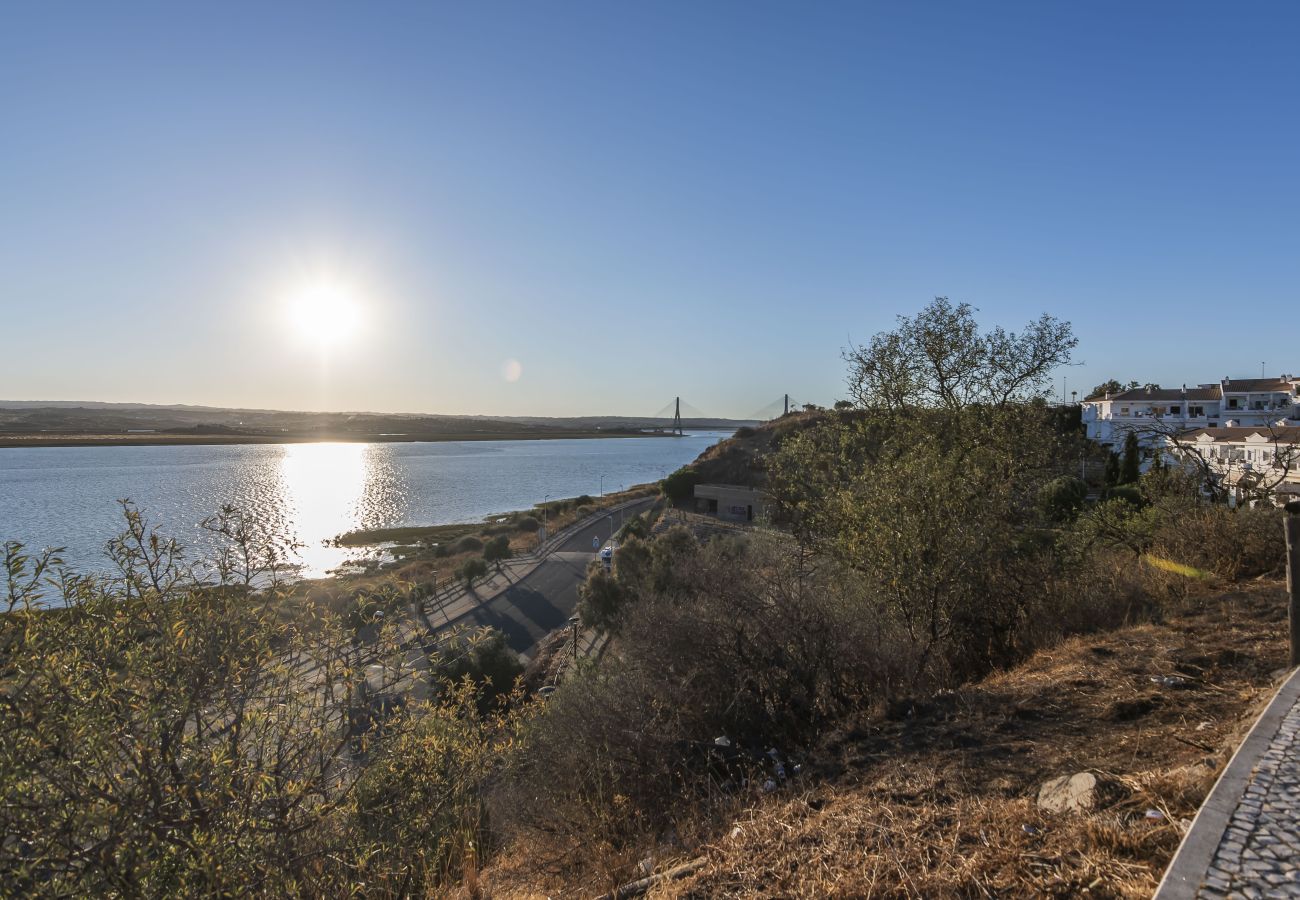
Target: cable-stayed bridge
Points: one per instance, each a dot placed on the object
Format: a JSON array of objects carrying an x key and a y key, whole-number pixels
[{"x": 678, "y": 414}]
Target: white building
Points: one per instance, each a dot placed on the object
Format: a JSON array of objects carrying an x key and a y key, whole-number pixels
[
  {"x": 1248, "y": 460},
  {"x": 1154, "y": 412}
]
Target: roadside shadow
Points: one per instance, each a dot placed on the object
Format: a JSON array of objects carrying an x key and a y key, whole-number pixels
[{"x": 524, "y": 619}]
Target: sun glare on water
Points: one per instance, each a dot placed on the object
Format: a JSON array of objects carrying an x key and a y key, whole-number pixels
[{"x": 325, "y": 314}]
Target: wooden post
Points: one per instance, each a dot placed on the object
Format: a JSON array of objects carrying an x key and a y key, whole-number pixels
[{"x": 1292, "y": 524}]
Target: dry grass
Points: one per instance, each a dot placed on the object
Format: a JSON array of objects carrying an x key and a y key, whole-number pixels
[{"x": 940, "y": 801}]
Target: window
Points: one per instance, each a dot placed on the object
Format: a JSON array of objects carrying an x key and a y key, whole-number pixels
[
  {"x": 1173, "y": 410},
  {"x": 1232, "y": 403},
  {"x": 1123, "y": 410},
  {"x": 1196, "y": 411}
]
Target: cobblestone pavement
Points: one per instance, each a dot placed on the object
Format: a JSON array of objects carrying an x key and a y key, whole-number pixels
[{"x": 1259, "y": 854}]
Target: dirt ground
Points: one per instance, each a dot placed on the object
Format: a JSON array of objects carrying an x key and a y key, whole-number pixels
[{"x": 941, "y": 799}]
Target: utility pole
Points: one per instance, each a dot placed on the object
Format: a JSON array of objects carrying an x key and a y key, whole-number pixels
[
  {"x": 787, "y": 405},
  {"x": 677, "y": 417}
]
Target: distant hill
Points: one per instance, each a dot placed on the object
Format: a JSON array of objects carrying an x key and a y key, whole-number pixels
[{"x": 91, "y": 417}]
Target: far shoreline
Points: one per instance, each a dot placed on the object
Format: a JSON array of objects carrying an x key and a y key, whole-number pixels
[{"x": 12, "y": 441}]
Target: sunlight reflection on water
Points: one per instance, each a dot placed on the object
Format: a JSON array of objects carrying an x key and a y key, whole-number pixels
[
  {"x": 66, "y": 496},
  {"x": 327, "y": 489}
]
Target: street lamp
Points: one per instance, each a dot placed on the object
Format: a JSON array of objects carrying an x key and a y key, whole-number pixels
[{"x": 602, "y": 485}]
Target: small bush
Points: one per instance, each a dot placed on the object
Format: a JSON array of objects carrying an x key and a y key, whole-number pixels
[
  {"x": 1231, "y": 543},
  {"x": 469, "y": 544},
  {"x": 1061, "y": 498},
  {"x": 744, "y": 431},
  {"x": 497, "y": 550},
  {"x": 528, "y": 524},
  {"x": 472, "y": 569},
  {"x": 1129, "y": 493}
]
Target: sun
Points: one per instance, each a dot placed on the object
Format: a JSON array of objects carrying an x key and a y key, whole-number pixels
[{"x": 324, "y": 314}]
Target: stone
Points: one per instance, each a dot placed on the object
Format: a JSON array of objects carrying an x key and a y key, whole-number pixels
[{"x": 1069, "y": 792}]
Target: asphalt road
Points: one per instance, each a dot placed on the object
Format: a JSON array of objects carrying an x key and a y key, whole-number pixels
[{"x": 544, "y": 599}]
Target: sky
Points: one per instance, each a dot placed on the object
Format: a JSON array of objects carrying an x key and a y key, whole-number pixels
[{"x": 569, "y": 208}]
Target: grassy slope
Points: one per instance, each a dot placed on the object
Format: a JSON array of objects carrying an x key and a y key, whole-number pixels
[
  {"x": 739, "y": 459},
  {"x": 941, "y": 802}
]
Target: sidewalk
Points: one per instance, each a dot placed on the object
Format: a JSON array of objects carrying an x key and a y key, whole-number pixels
[{"x": 1245, "y": 841}]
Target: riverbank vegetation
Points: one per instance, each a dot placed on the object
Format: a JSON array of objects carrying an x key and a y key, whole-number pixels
[
  {"x": 425, "y": 558},
  {"x": 939, "y": 614}
]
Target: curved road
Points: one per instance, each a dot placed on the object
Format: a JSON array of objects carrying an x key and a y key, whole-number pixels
[{"x": 543, "y": 600}]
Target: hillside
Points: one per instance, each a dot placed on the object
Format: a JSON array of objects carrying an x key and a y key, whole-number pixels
[
  {"x": 939, "y": 798},
  {"x": 739, "y": 459},
  {"x": 35, "y": 423}
]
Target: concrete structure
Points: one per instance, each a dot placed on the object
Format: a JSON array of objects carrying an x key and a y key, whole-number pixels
[
  {"x": 731, "y": 502},
  {"x": 1150, "y": 411}
]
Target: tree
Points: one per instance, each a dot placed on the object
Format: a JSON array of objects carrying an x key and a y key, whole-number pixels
[
  {"x": 497, "y": 549},
  {"x": 1111, "y": 386},
  {"x": 934, "y": 509},
  {"x": 483, "y": 656},
  {"x": 1130, "y": 467},
  {"x": 1111, "y": 475},
  {"x": 940, "y": 359},
  {"x": 680, "y": 485},
  {"x": 471, "y": 570},
  {"x": 171, "y": 736},
  {"x": 600, "y": 599}
]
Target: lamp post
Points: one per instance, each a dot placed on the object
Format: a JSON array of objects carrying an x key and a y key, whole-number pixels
[{"x": 602, "y": 485}]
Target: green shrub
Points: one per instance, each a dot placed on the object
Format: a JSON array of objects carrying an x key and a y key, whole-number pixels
[
  {"x": 469, "y": 544},
  {"x": 1129, "y": 493},
  {"x": 482, "y": 656},
  {"x": 528, "y": 524},
  {"x": 1061, "y": 498},
  {"x": 472, "y": 570},
  {"x": 497, "y": 549},
  {"x": 680, "y": 485}
]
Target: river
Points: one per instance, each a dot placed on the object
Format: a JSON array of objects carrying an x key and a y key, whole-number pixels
[{"x": 68, "y": 496}]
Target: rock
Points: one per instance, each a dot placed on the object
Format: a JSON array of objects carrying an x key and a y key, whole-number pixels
[{"x": 1069, "y": 792}]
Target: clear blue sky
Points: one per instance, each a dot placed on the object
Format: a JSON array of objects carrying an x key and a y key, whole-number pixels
[{"x": 631, "y": 200}]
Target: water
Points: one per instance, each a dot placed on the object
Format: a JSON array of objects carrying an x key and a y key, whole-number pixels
[{"x": 67, "y": 496}]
